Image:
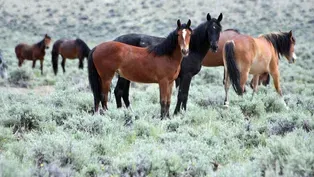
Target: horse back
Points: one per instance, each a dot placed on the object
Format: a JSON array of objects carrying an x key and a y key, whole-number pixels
[
  {"x": 69, "y": 49},
  {"x": 24, "y": 51},
  {"x": 215, "y": 59}
]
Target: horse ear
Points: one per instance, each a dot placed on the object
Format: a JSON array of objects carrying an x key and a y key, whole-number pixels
[
  {"x": 220, "y": 17},
  {"x": 290, "y": 33},
  {"x": 178, "y": 23},
  {"x": 208, "y": 17},
  {"x": 189, "y": 23}
]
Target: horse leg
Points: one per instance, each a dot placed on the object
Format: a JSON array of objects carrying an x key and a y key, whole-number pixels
[
  {"x": 34, "y": 63},
  {"x": 169, "y": 99},
  {"x": 227, "y": 86},
  {"x": 185, "y": 89},
  {"x": 118, "y": 91},
  {"x": 254, "y": 84},
  {"x": 63, "y": 64},
  {"x": 163, "y": 89},
  {"x": 243, "y": 78},
  {"x": 125, "y": 96},
  {"x": 275, "y": 74},
  {"x": 81, "y": 64},
  {"x": 179, "y": 98},
  {"x": 41, "y": 66},
  {"x": 20, "y": 62},
  {"x": 105, "y": 86}
]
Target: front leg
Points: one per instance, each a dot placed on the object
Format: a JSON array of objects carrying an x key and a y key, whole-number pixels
[
  {"x": 185, "y": 89},
  {"x": 34, "y": 63},
  {"x": 163, "y": 89},
  {"x": 41, "y": 66},
  {"x": 169, "y": 98},
  {"x": 255, "y": 83}
]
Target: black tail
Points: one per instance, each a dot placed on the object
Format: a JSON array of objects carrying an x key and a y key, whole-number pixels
[
  {"x": 84, "y": 47},
  {"x": 94, "y": 78},
  {"x": 55, "y": 55},
  {"x": 233, "y": 70}
]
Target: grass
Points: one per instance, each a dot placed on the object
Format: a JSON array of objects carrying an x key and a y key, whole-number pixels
[{"x": 55, "y": 134}]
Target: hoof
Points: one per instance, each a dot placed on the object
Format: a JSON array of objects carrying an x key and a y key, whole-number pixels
[{"x": 226, "y": 104}]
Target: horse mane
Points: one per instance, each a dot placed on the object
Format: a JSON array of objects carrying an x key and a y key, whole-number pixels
[
  {"x": 232, "y": 29},
  {"x": 280, "y": 41},
  {"x": 167, "y": 46},
  {"x": 41, "y": 44},
  {"x": 83, "y": 46}
]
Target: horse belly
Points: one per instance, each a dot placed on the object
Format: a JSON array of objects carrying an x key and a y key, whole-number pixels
[
  {"x": 68, "y": 52},
  {"x": 258, "y": 67}
]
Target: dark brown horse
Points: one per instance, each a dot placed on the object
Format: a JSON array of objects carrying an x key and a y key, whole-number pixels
[
  {"x": 33, "y": 52},
  {"x": 157, "y": 64},
  {"x": 70, "y": 49},
  {"x": 244, "y": 55}
]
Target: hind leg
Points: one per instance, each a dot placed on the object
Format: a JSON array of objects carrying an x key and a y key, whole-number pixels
[
  {"x": 125, "y": 95},
  {"x": 185, "y": 91},
  {"x": 227, "y": 86},
  {"x": 255, "y": 83},
  {"x": 105, "y": 86},
  {"x": 118, "y": 91},
  {"x": 63, "y": 64}
]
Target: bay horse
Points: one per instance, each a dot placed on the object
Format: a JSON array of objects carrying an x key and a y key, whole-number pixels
[
  {"x": 70, "y": 49},
  {"x": 156, "y": 64},
  {"x": 204, "y": 37},
  {"x": 3, "y": 67},
  {"x": 33, "y": 52},
  {"x": 123, "y": 85},
  {"x": 246, "y": 55}
]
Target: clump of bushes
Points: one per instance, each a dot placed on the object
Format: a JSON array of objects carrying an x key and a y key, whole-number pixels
[{"x": 20, "y": 77}]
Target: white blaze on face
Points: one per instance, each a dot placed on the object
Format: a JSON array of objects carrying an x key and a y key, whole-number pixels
[
  {"x": 294, "y": 56},
  {"x": 184, "y": 33}
]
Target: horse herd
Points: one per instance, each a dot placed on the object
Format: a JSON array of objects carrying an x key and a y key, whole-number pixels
[{"x": 178, "y": 57}]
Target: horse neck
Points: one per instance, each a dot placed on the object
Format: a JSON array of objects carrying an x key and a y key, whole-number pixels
[
  {"x": 176, "y": 54},
  {"x": 199, "y": 43}
]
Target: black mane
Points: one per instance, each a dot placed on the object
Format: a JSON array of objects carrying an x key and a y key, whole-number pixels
[
  {"x": 84, "y": 47},
  {"x": 281, "y": 42},
  {"x": 168, "y": 45}
]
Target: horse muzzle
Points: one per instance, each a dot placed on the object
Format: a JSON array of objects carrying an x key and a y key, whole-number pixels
[
  {"x": 47, "y": 47},
  {"x": 185, "y": 52},
  {"x": 214, "y": 47}
]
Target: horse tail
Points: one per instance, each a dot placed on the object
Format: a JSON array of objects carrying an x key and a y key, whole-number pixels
[
  {"x": 94, "y": 78},
  {"x": 84, "y": 47},
  {"x": 55, "y": 55},
  {"x": 232, "y": 68}
]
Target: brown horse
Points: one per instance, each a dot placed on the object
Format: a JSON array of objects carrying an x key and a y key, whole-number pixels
[
  {"x": 245, "y": 54},
  {"x": 156, "y": 64},
  {"x": 33, "y": 52},
  {"x": 68, "y": 49},
  {"x": 214, "y": 59}
]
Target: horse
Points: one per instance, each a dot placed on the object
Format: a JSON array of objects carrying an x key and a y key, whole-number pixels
[
  {"x": 70, "y": 49},
  {"x": 140, "y": 40},
  {"x": 244, "y": 55},
  {"x": 156, "y": 64},
  {"x": 33, "y": 52},
  {"x": 215, "y": 59},
  {"x": 3, "y": 67},
  {"x": 205, "y": 36}
]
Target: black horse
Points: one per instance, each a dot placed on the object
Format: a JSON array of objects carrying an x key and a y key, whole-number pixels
[
  {"x": 3, "y": 67},
  {"x": 204, "y": 37}
]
